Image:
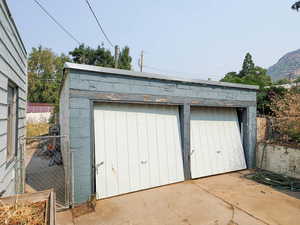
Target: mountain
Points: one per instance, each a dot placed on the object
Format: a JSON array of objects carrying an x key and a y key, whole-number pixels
[{"x": 287, "y": 66}]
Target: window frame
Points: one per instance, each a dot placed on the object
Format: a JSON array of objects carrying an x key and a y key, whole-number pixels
[{"x": 12, "y": 123}]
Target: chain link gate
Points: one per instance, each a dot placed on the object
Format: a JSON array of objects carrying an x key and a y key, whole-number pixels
[{"x": 47, "y": 166}]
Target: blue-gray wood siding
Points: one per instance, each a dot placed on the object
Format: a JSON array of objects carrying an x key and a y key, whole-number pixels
[
  {"x": 87, "y": 86},
  {"x": 13, "y": 67}
]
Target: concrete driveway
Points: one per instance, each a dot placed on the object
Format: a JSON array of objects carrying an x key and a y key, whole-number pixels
[{"x": 227, "y": 199}]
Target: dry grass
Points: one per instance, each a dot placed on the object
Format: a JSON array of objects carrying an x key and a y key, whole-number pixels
[
  {"x": 37, "y": 129},
  {"x": 25, "y": 213}
]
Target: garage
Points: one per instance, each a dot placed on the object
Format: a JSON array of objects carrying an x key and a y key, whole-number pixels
[
  {"x": 216, "y": 143},
  {"x": 136, "y": 147},
  {"x": 130, "y": 131}
]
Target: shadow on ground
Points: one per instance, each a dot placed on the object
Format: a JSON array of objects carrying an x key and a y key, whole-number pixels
[{"x": 40, "y": 176}]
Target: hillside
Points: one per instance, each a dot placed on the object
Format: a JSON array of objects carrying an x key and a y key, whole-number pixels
[{"x": 288, "y": 65}]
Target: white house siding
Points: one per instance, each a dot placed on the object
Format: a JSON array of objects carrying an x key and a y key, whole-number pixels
[{"x": 13, "y": 67}]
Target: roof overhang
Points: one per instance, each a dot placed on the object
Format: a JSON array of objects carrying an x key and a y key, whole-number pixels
[{"x": 130, "y": 73}]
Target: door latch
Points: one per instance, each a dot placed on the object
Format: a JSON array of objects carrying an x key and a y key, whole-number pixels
[
  {"x": 192, "y": 152},
  {"x": 98, "y": 165}
]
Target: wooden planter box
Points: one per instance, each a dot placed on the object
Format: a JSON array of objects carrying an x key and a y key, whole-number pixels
[{"x": 47, "y": 196}]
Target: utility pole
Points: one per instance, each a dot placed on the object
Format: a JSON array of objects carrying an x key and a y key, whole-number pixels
[
  {"x": 117, "y": 54},
  {"x": 141, "y": 61}
]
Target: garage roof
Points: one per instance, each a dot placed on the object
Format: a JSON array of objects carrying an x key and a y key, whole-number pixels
[{"x": 130, "y": 73}]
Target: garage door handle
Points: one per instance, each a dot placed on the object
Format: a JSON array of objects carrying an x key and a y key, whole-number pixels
[
  {"x": 98, "y": 165},
  {"x": 143, "y": 162},
  {"x": 192, "y": 152}
]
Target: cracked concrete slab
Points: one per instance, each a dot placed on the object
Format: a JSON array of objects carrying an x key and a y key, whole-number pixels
[
  {"x": 258, "y": 200},
  {"x": 227, "y": 199}
]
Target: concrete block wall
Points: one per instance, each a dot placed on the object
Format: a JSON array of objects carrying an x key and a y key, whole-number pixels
[
  {"x": 80, "y": 145},
  {"x": 89, "y": 81},
  {"x": 279, "y": 159}
]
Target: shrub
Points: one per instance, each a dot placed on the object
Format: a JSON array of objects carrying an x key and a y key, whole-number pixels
[{"x": 286, "y": 110}]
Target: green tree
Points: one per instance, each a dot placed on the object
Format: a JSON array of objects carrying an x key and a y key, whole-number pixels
[
  {"x": 254, "y": 75},
  {"x": 125, "y": 59},
  {"x": 265, "y": 96},
  {"x": 250, "y": 74},
  {"x": 45, "y": 71},
  {"x": 248, "y": 66},
  {"x": 232, "y": 77},
  {"x": 282, "y": 81},
  {"x": 100, "y": 57},
  {"x": 258, "y": 77},
  {"x": 297, "y": 80}
]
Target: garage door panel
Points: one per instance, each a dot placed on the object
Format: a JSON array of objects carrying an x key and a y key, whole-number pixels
[
  {"x": 163, "y": 154},
  {"x": 153, "y": 147},
  {"x": 134, "y": 165},
  {"x": 237, "y": 159},
  {"x": 169, "y": 156},
  {"x": 100, "y": 158},
  {"x": 172, "y": 142},
  {"x": 111, "y": 162},
  {"x": 177, "y": 146},
  {"x": 177, "y": 136},
  {"x": 143, "y": 146},
  {"x": 215, "y": 142},
  {"x": 140, "y": 147},
  {"x": 122, "y": 153},
  {"x": 232, "y": 129},
  {"x": 223, "y": 149}
]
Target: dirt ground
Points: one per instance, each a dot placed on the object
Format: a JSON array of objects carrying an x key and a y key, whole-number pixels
[{"x": 227, "y": 199}]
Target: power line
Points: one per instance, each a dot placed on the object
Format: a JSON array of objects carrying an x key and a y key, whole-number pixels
[
  {"x": 56, "y": 22},
  {"x": 98, "y": 22}
]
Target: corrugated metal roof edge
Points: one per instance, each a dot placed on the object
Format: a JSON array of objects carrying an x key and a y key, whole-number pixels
[{"x": 100, "y": 69}]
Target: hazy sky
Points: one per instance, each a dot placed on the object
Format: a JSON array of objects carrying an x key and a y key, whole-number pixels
[{"x": 197, "y": 38}]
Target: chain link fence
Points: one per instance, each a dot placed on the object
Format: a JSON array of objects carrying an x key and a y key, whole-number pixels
[{"x": 47, "y": 167}]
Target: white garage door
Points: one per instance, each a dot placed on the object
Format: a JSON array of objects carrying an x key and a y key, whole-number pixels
[
  {"x": 216, "y": 145},
  {"x": 136, "y": 147}
]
